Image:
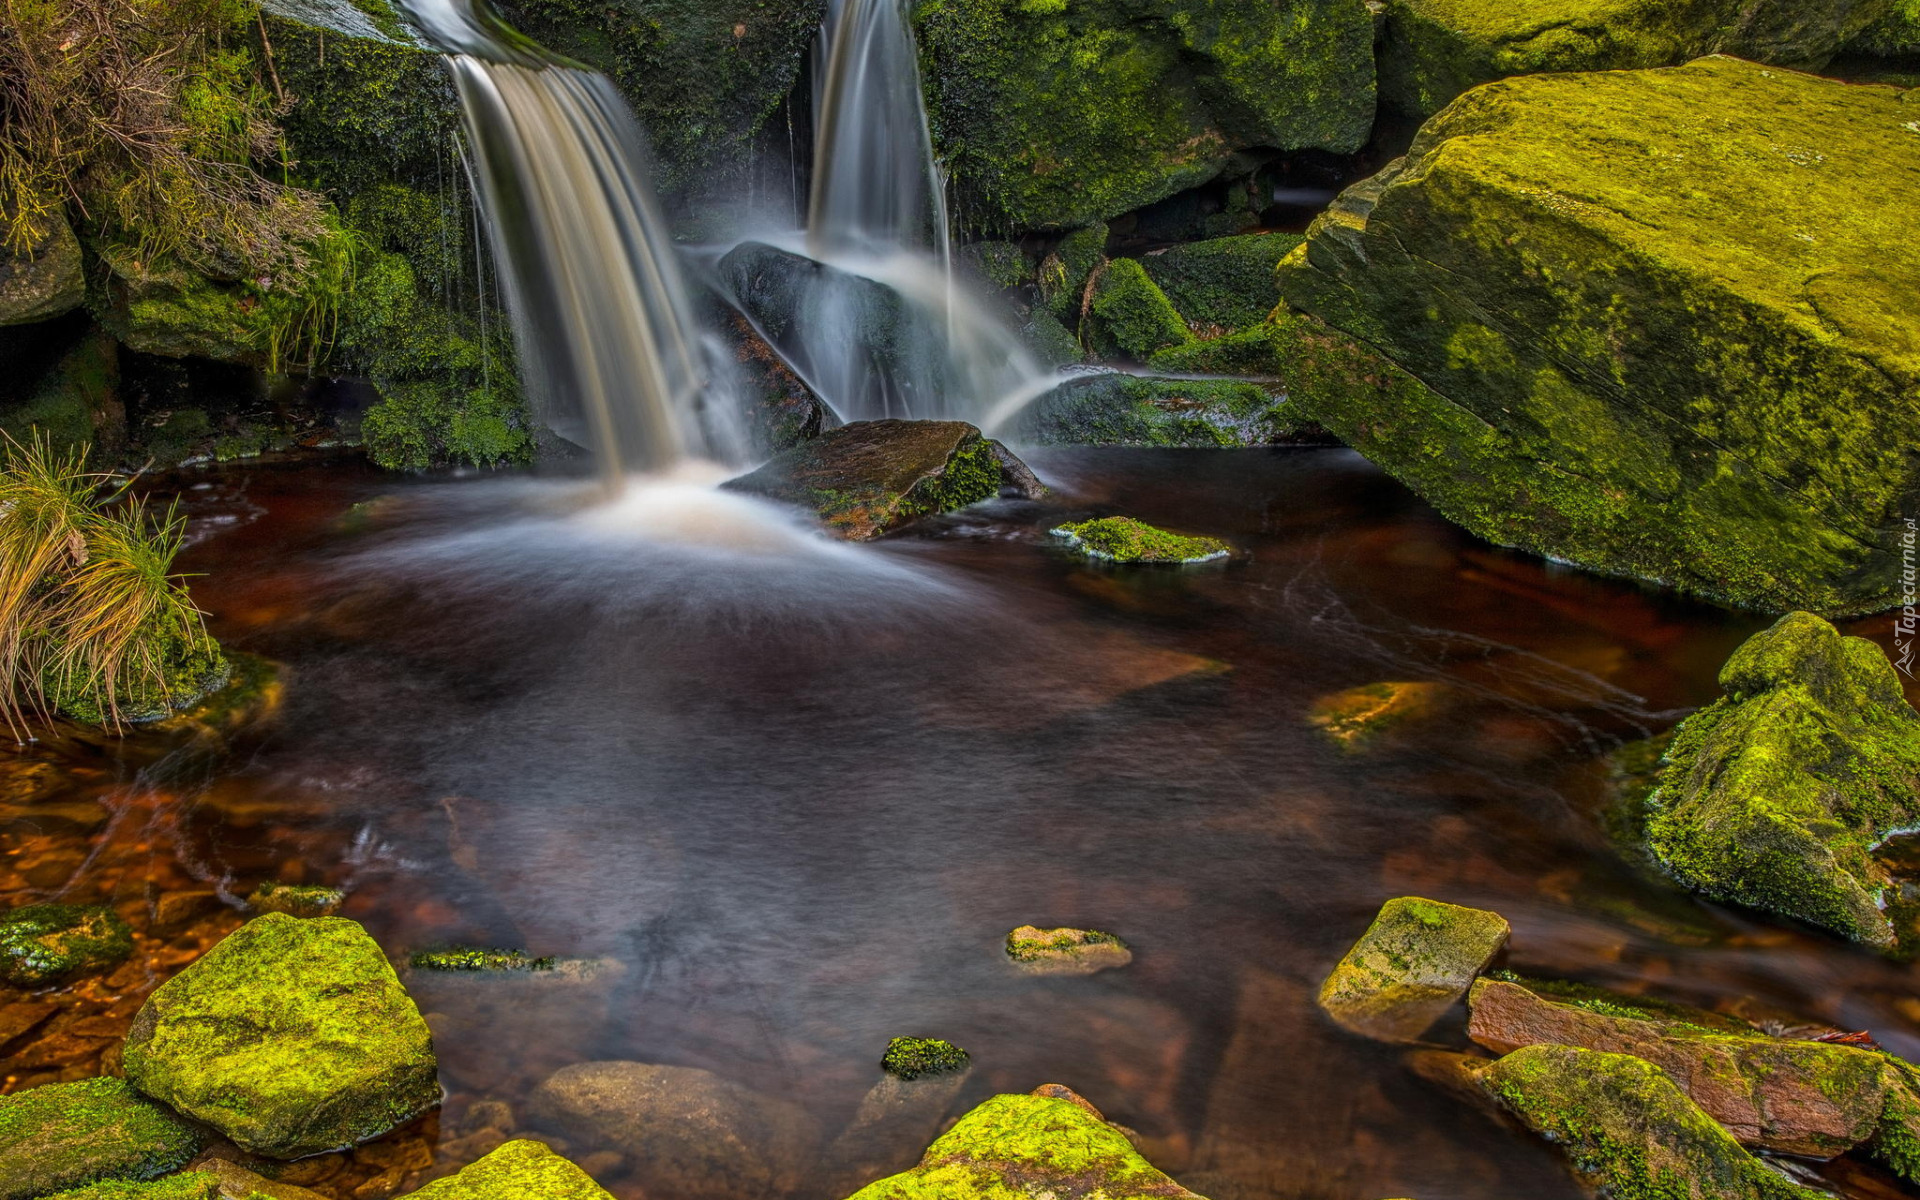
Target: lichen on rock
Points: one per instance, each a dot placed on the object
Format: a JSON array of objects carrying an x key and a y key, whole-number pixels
[
  {"x": 1125, "y": 540},
  {"x": 1414, "y": 962},
  {"x": 68, "y": 1135},
  {"x": 296, "y": 900},
  {"x": 43, "y": 944},
  {"x": 291, "y": 1037}
]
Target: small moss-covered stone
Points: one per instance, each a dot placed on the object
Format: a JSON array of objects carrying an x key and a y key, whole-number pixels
[
  {"x": 291, "y": 1037},
  {"x": 296, "y": 900},
  {"x": 43, "y": 282},
  {"x": 1656, "y": 323},
  {"x": 1628, "y": 1130},
  {"x": 192, "y": 669},
  {"x": 1357, "y": 717},
  {"x": 41, "y": 944},
  {"x": 871, "y": 477},
  {"x": 1125, "y": 540},
  {"x": 913, "y": 1058},
  {"x": 1775, "y": 795},
  {"x": 519, "y": 1170},
  {"x": 68, "y": 1135},
  {"x": 1223, "y": 283},
  {"x": 191, "y": 1185},
  {"x": 469, "y": 958},
  {"x": 1413, "y": 963},
  {"x": 1066, "y": 951},
  {"x": 1131, "y": 315},
  {"x": 1017, "y": 1147}
]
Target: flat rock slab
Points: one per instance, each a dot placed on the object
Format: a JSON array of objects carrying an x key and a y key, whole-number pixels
[
  {"x": 872, "y": 477},
  {"x": 1414, "y": 962},
  {"x": 66, "y": 1135}
]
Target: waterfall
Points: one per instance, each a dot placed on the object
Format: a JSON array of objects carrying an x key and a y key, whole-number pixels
[{"x": 609, "y": 346}]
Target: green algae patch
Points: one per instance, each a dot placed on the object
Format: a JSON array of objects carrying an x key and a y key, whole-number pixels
[
  {"x": 1015, "y": 1147},
  {"x": 1222, "y": 284},
  {"x": 193, "y": 1185},
  {"x": 1776, "y": 795},
  {"x": 1053, "y": 116},
  {"x": 67, "y": 1135},
  {"x": 519, "y": 1170},
  {"x": 918, "y": 1058},
  {"x": 1654, "y": 323},
  {"x": 1130, "y": 315},
  {"x": 1628, "y": 1129},
  {"x": 42, "y": 944},
  {"x": 469, "y": 958},
  {"x": 290, "y": 1037},
  {"x": 296, "y": 900},
  {"x": 1411, "y": 965},
  {"x": 1125, "y": 540}
]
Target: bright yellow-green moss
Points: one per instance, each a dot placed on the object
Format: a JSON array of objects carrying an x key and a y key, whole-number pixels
[
  {"x": 193, "y": 1185},
  {"x": 1125, "y": 540},
  {"x": 1130, "y": 314},
  {"x": 1657, "y": 323},
  {"x": 46, "y": 943},
  {"x": 1412, "y": 964},
  {"x": 520, "y": 1170},
  {"x": 1224, "y": 283},
  {"x": 68, "y": 1135},
  {"x": 915, "y": 1058}
]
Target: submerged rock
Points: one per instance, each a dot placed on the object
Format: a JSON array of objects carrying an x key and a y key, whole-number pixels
[
  {"x": 291, "y": 1037},
  {"x": 1649, "y": 322},
  {"x": 44, "y": 282},
  {"x": 1014, "y": 1147},
  {"x": 1628, "y": 1130},
  {"x": 522, "y": 1169},
  {"x": 1065, "y": 951},
  {"x": 68, "y": 1135},
  {"x": 1125, "y": 540},
  {"x": 872, "y": 477},
  {"x": 296, "y": 900},
  {"x": 42, "y": 944},
  {"x": 1775, "y": 795},
  {"x": 1411, "y": 965},
  {"x": 915, "y": 1058},
  {"x": 234, "y": 1182},
  {"x": 904, "y": 1111},
  {"x": 1358, "y": 716}
]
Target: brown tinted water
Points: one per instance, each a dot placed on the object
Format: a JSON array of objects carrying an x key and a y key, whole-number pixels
[{"x": 797, "y": 794}]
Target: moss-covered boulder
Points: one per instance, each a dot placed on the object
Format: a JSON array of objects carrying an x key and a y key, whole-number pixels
[
  {"x": 44, "y": 281},
  {"x": 1130, "y": 410},
  {"x": 1064, "y": 271},
  {"x": 1776, "y": 795},
  {"x": 1657, "y": 323},
  {"x": 1129, "y": 315},
  {"x": 872, "y": 477},
  {"x": 43, "y": 944},
  {"x": 1628, "y": 1130},
  {"x": 190, "y": 1185},
  {"x": 519, "y": 1170},
  {"x": 1433, "y": 50},
  {"x": 1222, "y": 284},
  {"x": 1125, "y": 540},
  {"x": 1051, "y": 115},
  {"x": 919, "y": 1058},
  {"x": 1063, "y": 951},
  {"x": 1411, "y": 965},
  {"x": 1895, "y": 35},
  {"x": 1014, "y": 1147},
  {"x": 67, "y": 1135},
  {"x": 290, "y": 1037}
]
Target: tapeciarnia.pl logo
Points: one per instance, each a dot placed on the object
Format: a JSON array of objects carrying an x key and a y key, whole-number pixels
[{"x": 1904, "y": 624}]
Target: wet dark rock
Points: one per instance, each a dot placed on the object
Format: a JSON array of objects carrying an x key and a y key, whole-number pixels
[
  {"x": 873, "y": 477},
  {"x": 896, "y": 1119},
  {"x": 519, "y": 1170},
  {"x": 291, "y": 1037},
  {"x": 1065, "y": 951},
  {"x": 44, "y": 282},
  {"x": 1776, "y": 795},
  {"x": 782, "y": 410},
  {"x": 67, "y": 1135},
  {"x": 1628, "y": 1129},
  {"x": 174, "y": 911},
  {"x": 1414, "y": 962},
  {"x": 296, "y": 900},
  {"x": 41, "y": 944},
  {"x": 234, "y": 1182}
]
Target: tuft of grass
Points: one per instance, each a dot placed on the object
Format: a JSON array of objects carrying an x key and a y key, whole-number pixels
[{"x": 92, "y": 620}]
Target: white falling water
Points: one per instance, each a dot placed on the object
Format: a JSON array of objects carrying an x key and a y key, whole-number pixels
[{"x": 608, "y": 341}]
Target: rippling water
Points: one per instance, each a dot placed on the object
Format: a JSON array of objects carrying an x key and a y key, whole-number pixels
[{"x": 799, "y": 791}]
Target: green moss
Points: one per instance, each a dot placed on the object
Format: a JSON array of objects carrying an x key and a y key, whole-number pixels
[
  {"x": 47, "y": 943},
  {"x": 68, "y": 1135},
  {"x": 193, "y": 1185},
  {"x": 290, "y": 1037},
  {"x": 1605, "y": 1002},
  {"x": 1030, "y": 944},
  {"x": 915, "y": 1058},
  {"x": 1065, "y": 270},
  {"x": 295, "y": 900},
  {"x": 1052, "y": 116},
  {"x": 192, "y": 668},
  {"x": 1223, "y": 284},
  {"x": 1127, "y": 410},
  {"x": 999, "y": 264},
  {"x": 77, "y": 403},
  {"x": 1125, "y": 540},
  {"x": 519, "y": 1170},
  {"x": 421, "y": 423},
  {"x": 1628, "y": 1129},
  {"x": 468, "y": 958},
  {"x": 1131, "y": 315},
  {"x": 1895, "y": 35},
  {"x": 1414, "y": 962}
]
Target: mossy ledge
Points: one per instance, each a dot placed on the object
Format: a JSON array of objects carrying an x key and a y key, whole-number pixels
[{"x": 1125, "y": 540}]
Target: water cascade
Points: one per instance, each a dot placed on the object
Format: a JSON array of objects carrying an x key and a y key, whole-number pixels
[{"x": 609, "y": 346}]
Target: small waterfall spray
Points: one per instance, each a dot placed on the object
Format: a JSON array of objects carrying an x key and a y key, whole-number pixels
[{"x": 608, "y": 341}]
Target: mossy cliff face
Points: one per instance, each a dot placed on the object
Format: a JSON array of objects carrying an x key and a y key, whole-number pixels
[
  {"x": 1433, "y": 50},
  {"x": 518, "y": 1170},
  {"x": 1053, "y": 114},
  {"x": 68, "y": 1135},
  {"x": 1413, "y": 963},
  {"x": 1658, "y": 323},
  {"x": 1015, "y": 1147},
  {"x": 291, "y": 1037},
  {"x": 1775, "y": 795},
  {"x": 1627, "y": 1129}
]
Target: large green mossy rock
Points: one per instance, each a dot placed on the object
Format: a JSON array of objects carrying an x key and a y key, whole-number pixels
[
  {"x": 192, "y": 1185},
  {"x": 1896, "y": 35},
  {"x": 1433, "y": 50},
  {"x": 1222, "y": 283},
  {"x": 1053, "y": 115},
  {"x": 1413, "y": 963},
  {"x": 1131, "y": 410},
  {"x": 1017, "y": 1147},
  {"x": 1628, "y": 1130},
  {"x": 68, "y": 1135},
  {"x": 1129, "y": 315},
  {"x": 290, "y": 1036},
  {"x": 44, "y": 281},
  {"x": 1775, "y": 795},
  {"x": 519, "y": 1170},
  {"x": 43, "y": 944},
  {"x": 1657, "y": 323}
]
